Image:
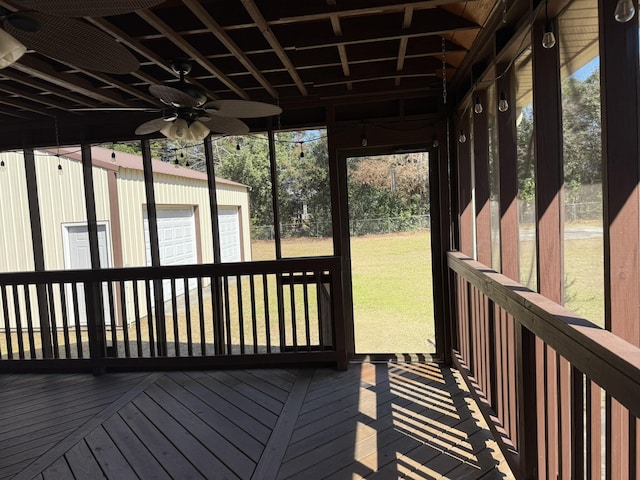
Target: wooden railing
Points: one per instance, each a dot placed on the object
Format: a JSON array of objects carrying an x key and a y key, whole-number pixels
[
  {"x": 234, "y": 314},
  {"x": 561, "y": 395}
]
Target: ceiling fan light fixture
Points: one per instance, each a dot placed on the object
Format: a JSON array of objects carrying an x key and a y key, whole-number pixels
[
  {"x": 10, "y": 49},
  {"x": 198, "y": 131}
]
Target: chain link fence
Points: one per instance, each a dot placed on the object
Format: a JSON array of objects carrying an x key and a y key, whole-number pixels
[{"x": 357, "y": 227}]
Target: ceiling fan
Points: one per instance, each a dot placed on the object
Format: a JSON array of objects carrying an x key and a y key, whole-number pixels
[
  {"x": 49, "y": 28},
  {"x": 189, "y": 117}
]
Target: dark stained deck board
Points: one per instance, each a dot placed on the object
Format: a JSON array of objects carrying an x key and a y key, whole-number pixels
[
  {"x": 226, "y": 409},
  {"x": 219, "y": 423},
  {"x": 372, "y": 421}
]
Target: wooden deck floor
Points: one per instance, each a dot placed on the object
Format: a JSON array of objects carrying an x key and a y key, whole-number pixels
[{"x": 382, "y": 421}]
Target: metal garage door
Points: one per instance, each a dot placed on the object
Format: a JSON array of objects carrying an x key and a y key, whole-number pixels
[
  {"x": 176, "y": 240},
  {"x": 229, "y": 227}
]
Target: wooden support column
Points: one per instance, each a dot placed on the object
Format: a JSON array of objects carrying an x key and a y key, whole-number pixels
[
  {"x": 218, "y": 324},
  {"x": 450, "y": 137},
  {"x": 465, "y": 201},
  {"x": 38, "y": 251},
  {"x": 549, "y": 176},
  {"x": 340, "y": 226},
  {"x": 93, "y": 290},
  {"x": 154, "y": 246},
  {"x": 549, "y": 185},
  {"x": 621, "y": 176},
  {"x": 508, "y": 177},
  {"x": 275, "y": 198},
  {"x": 481, "y": 182},
  {"x": 440, "y": 244}
]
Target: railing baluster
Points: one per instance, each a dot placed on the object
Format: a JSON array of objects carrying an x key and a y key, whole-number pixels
[
  {"x": 594, "y": 430},
  {"x": 203, "y": 339},
  {"x": 240, "y": 313},
  {"x": 265, "y": 292},
  {"x": 305, "y": 292},
  {"x": 16, "y": 309},
  {"x": 52, "y": 317},
  {"x": 254, "y": 319},
  {"x": 27, "y": 306},
  {"x": 125, "y": 321},
  {"x": 152, "y": 347},
  {"x": 294, "y": 327},
  {"x": 174, "y": 314},
  {"x": 65, "y": 323},
  {"x": 227, "y": 315},
  {"x": 7, "y": 323},
  {"x": 187, "y": 313},
  {"x": 138, "y": 320},
  {"x": 281, "y": 325},
  {"x": 319, "y": 297},
  {"x": 577, "y": 440},
  {"x": 112, "y": 318},
  {"x": 76, "y": 318}
]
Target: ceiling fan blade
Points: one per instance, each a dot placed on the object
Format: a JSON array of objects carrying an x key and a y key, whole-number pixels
[
  {"x": 84, "y": 8},
  {"x": 227, "y": 126},
  {"x": 115, "y": 109},
  {"x": 173, "y": 96},
  {"x": 241, "y": 109},
  {"x": 151, "y": 126},
  {"x": 71, "y": 41}
]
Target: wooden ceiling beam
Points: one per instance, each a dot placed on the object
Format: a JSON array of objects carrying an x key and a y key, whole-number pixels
[
  {"x": 439, "y": 24},
  {"x": 296, "y": 12},
  {"x": 266, "y": 31},
  {"x": 404, "y": 41},
  {"x": 342, "y": 51},
  {"x": 46, "y": 88},
  {"x": 24, "y": 106},
  {"x": 42, "y": 99},
  {"x": 224, "y": 38},
  {"x": 43, "y": 71},
  {"x": 153, "y": 20}
]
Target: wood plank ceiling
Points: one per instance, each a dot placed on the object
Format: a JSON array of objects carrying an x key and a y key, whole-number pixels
[{"x": 301, "y": 55}]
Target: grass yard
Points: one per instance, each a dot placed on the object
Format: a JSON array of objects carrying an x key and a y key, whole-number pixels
[{"x": 392, "y": 291}]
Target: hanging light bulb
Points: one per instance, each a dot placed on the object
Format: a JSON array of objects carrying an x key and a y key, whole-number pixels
[
  {"x": 180, "y": 128},
  {"x": 503, "y": 104},
  {"x": 625, "y": 11},
  {"x": 478, "y": 106},
  {"x": 462, "y": 137},
  {"x": 59, "y": 169},
  {"x": 364, "y": 142},
  {"x": 2, "y": 166},
  {"x": 238, "y": 146},
  {"x": 301, "y": 149},
  {"x": 113, "y": 156},
  {"x": 548, "y": 38}
]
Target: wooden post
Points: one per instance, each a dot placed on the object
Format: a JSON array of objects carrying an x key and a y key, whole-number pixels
[
  {"x": 275, "y": 198},
  {"x": 508, "y": 177},
  {"x": 93, "y": 290},
  {"x": 621, "y": 176},
  {"x": 549, "y": 176},
  {"x": 481, "y": 181},
  {"x": 154, "y": 246},
  {"x": 340, "y": 226},
  {"x": 218, "y": 324},
  {"x": 465, "y": 203},
  {"x": 38, "y": 251}
]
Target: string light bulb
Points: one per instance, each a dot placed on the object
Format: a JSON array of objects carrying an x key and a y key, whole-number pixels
[
  {"x": 625, "y": 10},
  {"x": 238, "y": 146},
  {"x": 301, "y": 149},
  {"x": 3, "y": 167},
  {"x": 477, "y": 107},
  {"x": 503, "y": 104},
  {"x": 113, "y": 156},
  {"x": 462, "y": 137},
  {"x": 548, "y": 37}
]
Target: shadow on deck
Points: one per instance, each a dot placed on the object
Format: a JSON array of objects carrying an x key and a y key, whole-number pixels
[{"x": 376, "y": 420}]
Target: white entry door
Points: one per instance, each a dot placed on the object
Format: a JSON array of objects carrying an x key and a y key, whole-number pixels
[
  {"x": 77, "y": 256},
  {"x": 229, "y": 228},
  {"x": 176, "y": 240}
]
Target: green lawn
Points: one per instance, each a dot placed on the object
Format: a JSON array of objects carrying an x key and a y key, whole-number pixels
[{"x": 392, "y": 291}]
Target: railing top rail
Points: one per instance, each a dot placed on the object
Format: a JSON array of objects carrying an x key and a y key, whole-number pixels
[
  {"x": 289, "y": 265},
  {"x": 605, "y": 358}
]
